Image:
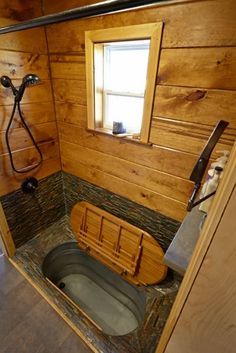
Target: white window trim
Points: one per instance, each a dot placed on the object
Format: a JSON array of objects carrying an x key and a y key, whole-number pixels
[{"x": 152, "y": 31}]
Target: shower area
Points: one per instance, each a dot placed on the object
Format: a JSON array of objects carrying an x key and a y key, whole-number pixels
[
  {"x": 50, "y": 162},
  {"x": 114, "y": 291}
]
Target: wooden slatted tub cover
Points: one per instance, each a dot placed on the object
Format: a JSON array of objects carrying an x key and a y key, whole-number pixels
[{"x": 124, "y": 248}]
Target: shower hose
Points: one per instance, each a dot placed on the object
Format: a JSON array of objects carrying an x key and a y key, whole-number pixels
[{"x": 27, "y": 169}]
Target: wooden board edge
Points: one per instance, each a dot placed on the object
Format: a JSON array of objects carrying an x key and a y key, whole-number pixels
[
  {"x": 54, "y": 306},
  {"x": 5, "y": 235}
]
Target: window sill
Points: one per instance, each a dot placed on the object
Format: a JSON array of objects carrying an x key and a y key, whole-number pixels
[{"x": 127, "y": 137}]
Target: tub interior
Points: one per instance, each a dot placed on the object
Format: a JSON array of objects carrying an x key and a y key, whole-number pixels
[{"x": 116, "y": 306}]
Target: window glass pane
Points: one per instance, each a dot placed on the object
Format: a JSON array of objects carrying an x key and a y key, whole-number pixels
[
  {"x": 126, "y": 67},
  {"x": 128, "y": 110}
]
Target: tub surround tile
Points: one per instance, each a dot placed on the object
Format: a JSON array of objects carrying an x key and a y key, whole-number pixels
[
  {"x": 160, "y": 227},
  {"x": 28, "y": 214},
  {"x": 29, "y": 258}
]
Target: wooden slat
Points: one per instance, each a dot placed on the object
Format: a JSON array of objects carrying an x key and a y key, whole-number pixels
[
  {"x": 198, "y": 67},
  {"x": 162, "y": 183},
  {"x": 190, "y": 24},
  {"x": 20, "y": 10},
  {"x": 28, "y": 157},
  {"x": 11, "y": 183},
  {"x": 20, "y": 139},
  {"x": 17, "y": 64},
  {"x": 70, "y": 91},
  {"x": 34, "y": 114},
  {"x": 188, "y": 137},
  {"x": 162, "y": 159},
  {"x": 41, "y": 92},
  {"x": 71, "y": 113},
  {"x": 141, "y": 195},
  {"x": 195, "y": 105},
  {"x": 68, "y": 66},
  {"x": 24, "y": 40}
]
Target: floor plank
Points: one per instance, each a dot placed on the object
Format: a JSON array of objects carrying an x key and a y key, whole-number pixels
[{"x": 27, "y": 322}]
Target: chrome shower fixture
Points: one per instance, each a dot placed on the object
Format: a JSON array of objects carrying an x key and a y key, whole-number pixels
[{"x": 28, "y": 80}]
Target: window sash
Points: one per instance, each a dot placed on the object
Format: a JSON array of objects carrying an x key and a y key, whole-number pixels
[{"x": 107, "y": 49}]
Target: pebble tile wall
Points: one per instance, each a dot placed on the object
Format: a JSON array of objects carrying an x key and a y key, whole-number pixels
[{"x": 29, "y": 214}]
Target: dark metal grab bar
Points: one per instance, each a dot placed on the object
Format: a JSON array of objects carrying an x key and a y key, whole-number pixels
[
  {"x": 101, "y": 8},
  {"x": 200, "y": 167}
]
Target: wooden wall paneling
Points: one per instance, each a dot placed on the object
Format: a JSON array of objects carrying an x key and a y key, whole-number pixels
[
  {"x": 190, "y": 24},
  {"x": 162, "y": 183},
  {"x": 34, "y": 94},
  {"x": 194, "y": 57},
  {"x": 61, "y": 5},
  {"x": 141, "y": 195},
  {"x": 198, "y": 67},
  {"x": 12, "y": 182},
  {"x": 195, "y": 105},
  {"x": 34, "y": 114},
  {"x": 188, "y": 137},
  {"x": 69, "y": 91},
  {"x": 165, "y": 160},
  {"x": 23, "y": 41},
  {"x": 28, "y": 156},
  {"x": 71, "y": 113},
  {"x": 20, "y": 139},
  {"x": 20, "y": 10},
  {"x": 68, "y": 67},
  {"x": 17, "y": 64}
]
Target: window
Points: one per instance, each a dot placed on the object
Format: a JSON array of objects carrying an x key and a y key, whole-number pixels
[{"x": 121, "y": 67}]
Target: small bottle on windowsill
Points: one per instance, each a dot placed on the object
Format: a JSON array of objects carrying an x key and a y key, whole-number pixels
[{"x": 118, "y": 128}]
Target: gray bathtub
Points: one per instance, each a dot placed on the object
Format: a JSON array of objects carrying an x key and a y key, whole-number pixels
[{"x": 116, "y": 306}]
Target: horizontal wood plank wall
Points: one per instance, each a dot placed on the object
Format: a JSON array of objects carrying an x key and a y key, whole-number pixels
[
  {"x": 22, "y": 53},
  {"x": 196, "y": 86}
]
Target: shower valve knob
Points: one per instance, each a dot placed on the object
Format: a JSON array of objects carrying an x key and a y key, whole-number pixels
[{"x": 29, "y": 185}]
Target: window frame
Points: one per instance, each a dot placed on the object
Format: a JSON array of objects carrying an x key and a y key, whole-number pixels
[{"x": 94, "y": 42}]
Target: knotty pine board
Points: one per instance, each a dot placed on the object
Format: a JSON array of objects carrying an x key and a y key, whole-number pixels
[
  {"x": 159, "y": 182},
  {"x": 160, "y": 203},
  {"x": 165, "y": 160}
]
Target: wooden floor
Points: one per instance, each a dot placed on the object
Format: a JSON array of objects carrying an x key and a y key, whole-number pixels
[{"x": 27, "y": 323}]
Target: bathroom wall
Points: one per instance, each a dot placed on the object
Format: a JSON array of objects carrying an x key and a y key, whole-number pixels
[
  {"x": 22, "y": 53},
  {"x": 196, "y": 86}
]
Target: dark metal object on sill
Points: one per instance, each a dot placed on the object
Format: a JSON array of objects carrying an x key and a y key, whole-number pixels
[
  {"x": 29, "y": 185},
  {"x": 200, "y": 167},
  {"x": 101, "y": 8}
]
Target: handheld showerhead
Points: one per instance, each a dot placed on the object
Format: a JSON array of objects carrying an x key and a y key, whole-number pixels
[
  {"x": 7, "y": 83},
  {"x": 30, "y": 79}
]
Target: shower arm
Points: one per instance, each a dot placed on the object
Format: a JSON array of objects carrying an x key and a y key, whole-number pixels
[{"x": 200, "y": 167}]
